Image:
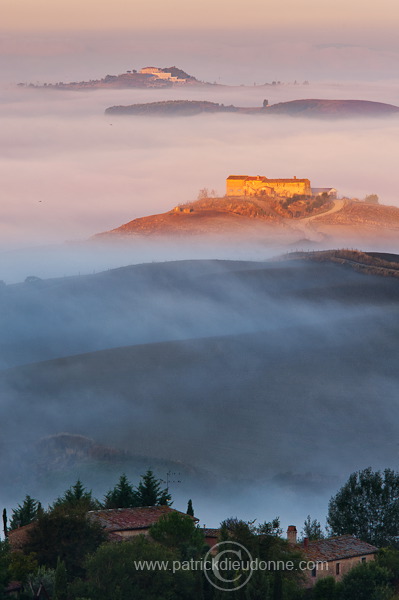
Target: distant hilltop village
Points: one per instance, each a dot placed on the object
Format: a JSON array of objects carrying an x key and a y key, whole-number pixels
[
  {"x": 147, "y": 77},
  {"x": 245, "y": 185}
]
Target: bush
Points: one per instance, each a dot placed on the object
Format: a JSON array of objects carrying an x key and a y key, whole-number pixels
[
  {"x": 113, "y": 573},
  {"x": 368, "y": 581}
]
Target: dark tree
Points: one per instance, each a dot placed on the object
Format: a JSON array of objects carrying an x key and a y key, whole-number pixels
[
  {"x": 67, "y": 536},
  {"x": 179, "y": 532},
  {"x": 60, "y": 581},
  {"x": 149, "y": 492},
  {"x": 112, "y": 573},
  {"x": 25, "y": 513},
  {"x": 312, "y": 529},
  {"x": 367, "y": 506},
  {"x": 4, "y": 564},
  {"x": 365, "y": 582},
  {"x": 325, "y": 589},
  {"x": 190, "y": 509},
  {"x": 5, "y": 520},
  {"x": 76, "y": 499},
  {"x": 122, "y": 495},
  {"x": 263, "y": 543}
]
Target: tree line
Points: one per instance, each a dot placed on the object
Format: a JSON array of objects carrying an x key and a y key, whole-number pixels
[{"x": 68, "y": 555}]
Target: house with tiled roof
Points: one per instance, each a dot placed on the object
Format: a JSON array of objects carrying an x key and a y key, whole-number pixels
[
  {"x": 123, "y": 523},
  {"x": 334, "y": 556},
  {"x": 118, "y": 523}
]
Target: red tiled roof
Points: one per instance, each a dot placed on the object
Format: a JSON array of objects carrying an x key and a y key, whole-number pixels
[
  {"x": 211, "y": 532},
  {"x": 125, "y": 519},
  {"x": 337, "y": 548}
]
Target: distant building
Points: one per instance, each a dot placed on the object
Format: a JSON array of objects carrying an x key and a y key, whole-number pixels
[
  {"x": 331, "y": 192},
  {"x": 244, "y": 185},
  {"x": 333, "y": 556},
  {"x": 159, "y": 74}
]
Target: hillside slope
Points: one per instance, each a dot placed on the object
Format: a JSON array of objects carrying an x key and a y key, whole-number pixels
[
  {"x": 217, "y": 366},
  {"x": 333, "y": 108},
  {"x": 268, "y": 220}
]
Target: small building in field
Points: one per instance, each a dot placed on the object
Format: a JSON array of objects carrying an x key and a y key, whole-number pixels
[
  {"x": 334, "y": 556},
  {"x": 246, "y": 185}
]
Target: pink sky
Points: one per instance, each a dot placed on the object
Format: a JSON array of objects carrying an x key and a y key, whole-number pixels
[
  {"x": 180, "y": 14},
  {"x": 229, "y": 41}
]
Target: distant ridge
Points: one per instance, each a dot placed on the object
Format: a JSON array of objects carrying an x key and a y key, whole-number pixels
[
  {"x": 333, "y": 108},
  {"x": 318, "y": 108}
]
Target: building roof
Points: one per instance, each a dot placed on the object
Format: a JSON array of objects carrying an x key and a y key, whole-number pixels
[
  {"x": 289, "y": 180},
  {"x": 337, "y": 548},
  {"x": 212, "y": 533},
  {"x": 127, "y": 519},
  {"x": 266, "y": 179}
]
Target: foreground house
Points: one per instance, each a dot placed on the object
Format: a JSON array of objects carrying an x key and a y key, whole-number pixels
[
  {"x": 333, "y": 556},
  {"x": 118, "y": 523}
]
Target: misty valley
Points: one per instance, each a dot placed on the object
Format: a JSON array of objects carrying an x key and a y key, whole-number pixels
[{"x": 263, "y": 384}]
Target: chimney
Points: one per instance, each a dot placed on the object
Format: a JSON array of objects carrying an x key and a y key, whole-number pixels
[
  {"x": 291, "y": 534},
  {"x": 305, "y": 542}
]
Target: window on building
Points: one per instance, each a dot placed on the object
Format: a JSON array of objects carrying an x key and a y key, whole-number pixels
[
  {"x": 337, "y": 568},
  {"x": 364, "y": 559},
  {"x": 314, "y": 572}
]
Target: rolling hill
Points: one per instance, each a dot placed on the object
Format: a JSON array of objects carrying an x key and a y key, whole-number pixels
[
  {"x": 318, "y": 108},
  {"x": 266, "y": 221}
]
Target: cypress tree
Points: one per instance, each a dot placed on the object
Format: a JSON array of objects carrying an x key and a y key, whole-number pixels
[{"x": 190, "y": 510}]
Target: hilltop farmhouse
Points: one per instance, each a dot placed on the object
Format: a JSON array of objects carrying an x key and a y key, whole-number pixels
[
  {"x": 247, "y": 185},
  {"x": 244, "y": 185}
]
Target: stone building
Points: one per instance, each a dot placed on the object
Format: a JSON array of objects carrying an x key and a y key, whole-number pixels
[
  {"x": 244, "y": 185},
  {"x": 157, "y": 73},
  {"x": 333, "y": 556}
]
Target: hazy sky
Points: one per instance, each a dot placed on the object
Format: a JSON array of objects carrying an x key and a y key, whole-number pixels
[
  {"x": 179, "y": 14},
  {"x": 225, "y": 41}
]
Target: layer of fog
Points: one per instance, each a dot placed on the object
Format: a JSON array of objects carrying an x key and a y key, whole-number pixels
[
  {"x": 69, "y": 172},
  {"x": 271, "y": 422}
]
